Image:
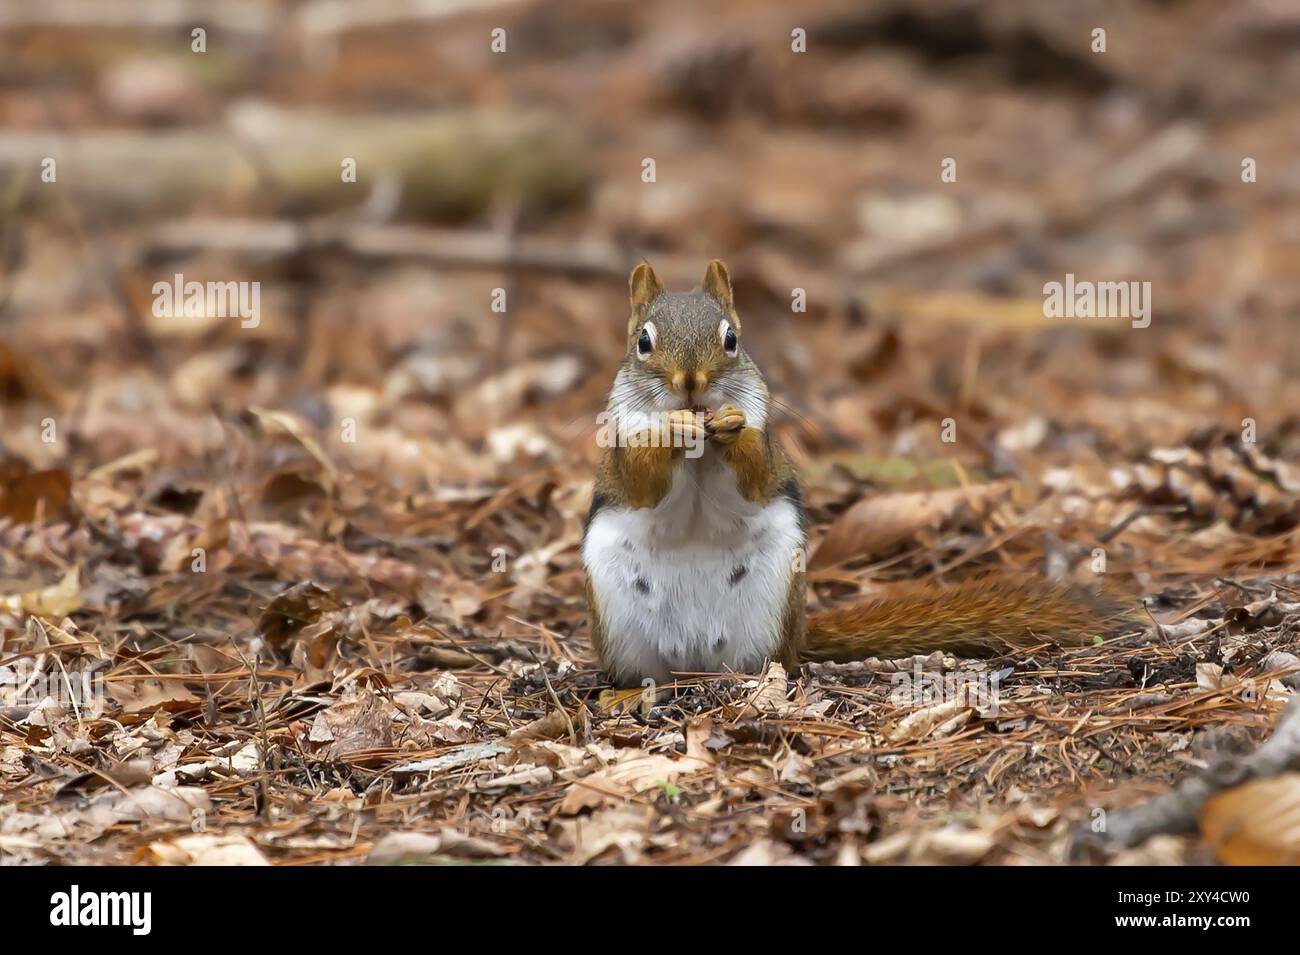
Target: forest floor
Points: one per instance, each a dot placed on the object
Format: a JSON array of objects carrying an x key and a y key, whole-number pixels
[{"x": 321, "y": 576}]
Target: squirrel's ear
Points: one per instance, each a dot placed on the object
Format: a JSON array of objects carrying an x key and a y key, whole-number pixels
[
  {"x": 718, "y": 284},
  {"x": 644, "y": 287}
]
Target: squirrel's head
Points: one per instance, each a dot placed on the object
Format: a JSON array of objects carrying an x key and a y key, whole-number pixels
[{"x": 684, "y": 349}]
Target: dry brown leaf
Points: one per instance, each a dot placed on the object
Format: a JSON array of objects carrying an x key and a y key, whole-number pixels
[
  {"x": 291, "y": 425},
  {"x": 205, "y": 849},
  {"x": 25, "y": 494},
  {"x": 765, "y": 852},
  {"x": 770, "y": 697},
  {"x": 404, "y": 848},
  {"x": 939, "y": 720},
  {"x": 791, "y": 767},
  {"x": 210, "y": 659},
  {"x": 880, "y": 522},
  {"x": 628, "y": 777},
  {"x": 354, "y": 725},
  {"x": 551, "y": 726},
  {"x": 211, "y": 539},
  {"x": 698, "y": 731},
  {"x": 291, "y": 611},
  {"x": 180, "y": 804},
  {"x": 53, "y": 602},
  {"x": 1257, "y": 823},
  {"x": 952, "y": 845},
  {"x": 619, "y": 701},
  {"x": 1208, "y": 676},
  {"x": 140, "y": 696},
  {"x": 626, "y": 829},
  {"x": 455, "y": 598},
  {"x": 316, "y": 653},
  {"x": 20, "y": 377}
]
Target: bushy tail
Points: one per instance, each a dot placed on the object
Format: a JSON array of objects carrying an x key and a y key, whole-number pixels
[{"x": 976, "y": 618}]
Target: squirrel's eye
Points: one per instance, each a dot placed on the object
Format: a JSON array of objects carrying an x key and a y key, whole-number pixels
[
  {"x": 729, "y": 342},
  {"x": 645, "y": 344}
]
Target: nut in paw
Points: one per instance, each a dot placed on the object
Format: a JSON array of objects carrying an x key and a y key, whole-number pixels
[
  {"x": 685, "y": 429},
  {"x": 726, "y": 424}
]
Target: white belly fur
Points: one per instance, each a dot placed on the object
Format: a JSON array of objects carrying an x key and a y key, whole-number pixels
[{"x": 662, "y": 576}]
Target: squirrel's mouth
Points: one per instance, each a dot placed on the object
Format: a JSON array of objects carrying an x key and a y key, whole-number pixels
[{"x": 699, "y": 409}]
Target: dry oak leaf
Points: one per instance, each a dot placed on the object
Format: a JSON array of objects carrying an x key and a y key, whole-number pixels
[
  {"x": 879, "y": 522},
  {"x": 627, "y": 777},
  {"x": 293, "y": 609},
  {"x": 354, "y": 725},
  {"x": 626, "y": 829},
  {"x": 1257, "y": 823}
]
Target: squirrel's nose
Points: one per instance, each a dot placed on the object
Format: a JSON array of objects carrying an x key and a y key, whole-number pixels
[
  {"x": 689, "y": 386},
  {"x": 696, "y": 383}
]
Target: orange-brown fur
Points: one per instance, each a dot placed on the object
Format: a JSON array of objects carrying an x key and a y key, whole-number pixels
[
  {"x": 975, "y": 618},
  {"x": 646, "y": 473},
  {"x": 752, "y": 459},
  {"x": 639, "y": 474}
]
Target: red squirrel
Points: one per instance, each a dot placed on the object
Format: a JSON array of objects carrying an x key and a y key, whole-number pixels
[{"x": 695, "y": 539}]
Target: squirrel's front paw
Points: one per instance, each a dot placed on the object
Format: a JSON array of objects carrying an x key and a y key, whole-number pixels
[{"x": 726, "y": 424}]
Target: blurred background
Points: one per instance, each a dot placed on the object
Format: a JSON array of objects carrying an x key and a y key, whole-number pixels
[{"x": 440, "y": 201}]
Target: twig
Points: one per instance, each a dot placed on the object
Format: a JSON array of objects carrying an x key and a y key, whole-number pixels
[{"x": 573, "y": 735}]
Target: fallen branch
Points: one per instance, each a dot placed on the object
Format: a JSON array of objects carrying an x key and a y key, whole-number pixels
[
  {"x": 447, "y": 248},
  {"x": 447, "y": 160},
  {"x": 315, "y": 18},
  {"x": 1179, "y": 810}
]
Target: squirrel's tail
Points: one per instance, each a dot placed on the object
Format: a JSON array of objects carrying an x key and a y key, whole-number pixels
[{"x": 976, "y": 618}]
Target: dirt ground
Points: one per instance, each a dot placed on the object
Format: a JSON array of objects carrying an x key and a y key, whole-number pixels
[{"x": 317, "y": 564}]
